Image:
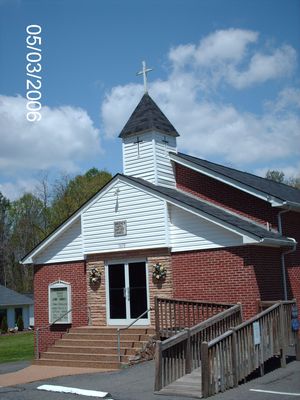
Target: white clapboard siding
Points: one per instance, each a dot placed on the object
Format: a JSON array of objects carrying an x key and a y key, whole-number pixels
[
  {"x": 139, "y": 163},
  {"x": 152, "y": 161},
  {"x": 144, "y": 214},
  {"x": 190, "y": 232},
  {"x": 164, "y": 169},
  {"x": 66, "y": 247}
]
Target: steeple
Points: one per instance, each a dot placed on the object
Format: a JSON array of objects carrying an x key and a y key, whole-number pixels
[
  {"x": 147, "y": 116},
  {"x": 148, "y": 137}
]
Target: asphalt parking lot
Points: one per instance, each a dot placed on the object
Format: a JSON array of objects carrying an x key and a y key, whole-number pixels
[{"x": 136, "y": 383}]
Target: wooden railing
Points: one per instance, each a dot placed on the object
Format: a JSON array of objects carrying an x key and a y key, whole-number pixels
[
  {"x": 181, "y": 353},
  {"x": 231, "y": 357},
  {"x": 173, "y": 315},
  {"x": 287, "y": 306}
]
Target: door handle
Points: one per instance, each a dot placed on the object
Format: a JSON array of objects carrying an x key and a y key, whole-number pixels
[{"x": 126, "y": 293}]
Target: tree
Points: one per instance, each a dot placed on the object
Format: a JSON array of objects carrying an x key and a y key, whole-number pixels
[
  {"x": 294, "y": 181},
  {"x": 70, "y": 194},
  {"x": 278, "y": 176},
  {"x": 20, "y": 323},
  {"x": 29, "y": 219},
  {"x": 26, "y": 221},
  {"x": 4, "y": 237},
  {"x": 274, "y": 175},
  {"x": 4, "y": 326}
]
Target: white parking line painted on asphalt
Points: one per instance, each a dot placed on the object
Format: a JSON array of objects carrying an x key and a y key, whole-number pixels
[
  {"x": 82, "y": 392},
  {"x": 273, "y": 392}
]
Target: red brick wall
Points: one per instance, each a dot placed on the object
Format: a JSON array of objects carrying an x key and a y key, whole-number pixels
[
  {"x": 238, "y": 274},
  {"x": 227, "y": 196},
  {"x": 73, "y": 273}
]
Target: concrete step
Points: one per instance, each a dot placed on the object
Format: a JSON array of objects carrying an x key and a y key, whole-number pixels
[
  {"x": 108, "y": 330},
  {"x": 83, "y": 357},
  {"x": 100, "y": 336},
  {"x": 75, "y": 363},
  {"x": 58, "y": 348},
  {"x": 67, "y": 341},
  {"x": 95, "y": 347}
]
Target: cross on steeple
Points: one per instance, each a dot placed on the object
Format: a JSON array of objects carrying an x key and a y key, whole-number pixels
[
  {"x": 165, "y": 141},
  {"x": 144, "y": 73},
  {"x": 138, "y": 141}
]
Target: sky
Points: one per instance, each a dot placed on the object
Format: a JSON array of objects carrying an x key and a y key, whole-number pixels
[{"x": 225, "y": 73}]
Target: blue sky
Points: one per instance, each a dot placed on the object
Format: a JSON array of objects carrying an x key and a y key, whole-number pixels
[{"x": 226, "y": 74}]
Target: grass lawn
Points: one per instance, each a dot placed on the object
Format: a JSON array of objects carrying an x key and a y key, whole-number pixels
[{"x": 16, "y": 347}]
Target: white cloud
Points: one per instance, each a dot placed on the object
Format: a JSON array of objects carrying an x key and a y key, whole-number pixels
[
  {"x": 264, "y": 67},
  {"x": 288, "y": 99},
  {"x": 233, "y": 56},
  {"x": 223, "y": 45},
  {"x": 117, "y": 106},
  {"x": 13, "y": 190},
  {"x": 62, "y": 138},
  {"x": 209, "y": 129}
]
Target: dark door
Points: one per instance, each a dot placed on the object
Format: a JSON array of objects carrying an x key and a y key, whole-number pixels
[{"x": 127, "y": 287}]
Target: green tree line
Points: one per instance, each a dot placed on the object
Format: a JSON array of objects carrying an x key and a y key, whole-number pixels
[{"x": 29, "y": 219}]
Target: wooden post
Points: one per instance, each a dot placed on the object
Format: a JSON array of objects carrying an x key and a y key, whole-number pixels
[
  {"x": 205, "y": 372},
  {"x": 188, "y": 355},
  {"x": 297, "y": 347},
  {"x": 283, "y": 337},
  {"x": 158, "y": 367},
  {"x": 156, "y": 311},
  {"x": 235, "y": 367}
]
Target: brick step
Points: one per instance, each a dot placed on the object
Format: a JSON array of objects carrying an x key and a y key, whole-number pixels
[
  {"x": 57, "y": 348},
  {"x": 83, "y": 357},
  {"x": 109, "y": 365},
  {"x": 67, "y": 341},
  {"x": 96, "y": 336},
  {"x": 108, "y": 330}
]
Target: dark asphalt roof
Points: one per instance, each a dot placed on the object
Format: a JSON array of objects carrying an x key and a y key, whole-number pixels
[
  {"x": 147, "y": 116},
  {"x": 279, "y": 190},
  {"x": 211, "y": 210},
  {"x": 9, "y": 297}
]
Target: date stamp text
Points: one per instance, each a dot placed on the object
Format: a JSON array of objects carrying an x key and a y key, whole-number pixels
[{"x": 33, "y": 72}]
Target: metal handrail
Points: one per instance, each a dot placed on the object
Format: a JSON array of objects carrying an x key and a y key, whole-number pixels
[
  {"x": 44, "y": 327},
  {"x": 126, "y": 327}
]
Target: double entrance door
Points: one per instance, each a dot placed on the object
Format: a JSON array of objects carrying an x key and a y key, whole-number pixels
[{"x": 127, "y": 294}]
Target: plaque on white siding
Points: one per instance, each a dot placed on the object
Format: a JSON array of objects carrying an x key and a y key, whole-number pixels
[
  {"x": 120, "y": 228},
  {"x": 256, "y": 333}
]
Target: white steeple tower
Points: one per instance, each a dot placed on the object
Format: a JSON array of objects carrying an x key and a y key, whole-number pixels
[{"x": 148, "y": 137}]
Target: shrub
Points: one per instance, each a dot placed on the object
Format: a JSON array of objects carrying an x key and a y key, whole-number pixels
[
  {"x": 20, "y": 323},
  {"x": 4, "y": 326}
]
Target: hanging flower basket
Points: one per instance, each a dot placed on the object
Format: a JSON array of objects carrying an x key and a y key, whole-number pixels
[
  {"x": 95, "y": 275},
  {"x": 159, "y": 272}
]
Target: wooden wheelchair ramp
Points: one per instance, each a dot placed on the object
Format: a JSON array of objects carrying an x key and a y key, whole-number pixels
[
  {"x": 219, "y": 353},
  {"x": 189, "y": 385}
]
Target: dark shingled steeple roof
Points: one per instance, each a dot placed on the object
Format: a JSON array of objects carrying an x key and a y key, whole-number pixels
[{"x": 147, "y": 116}]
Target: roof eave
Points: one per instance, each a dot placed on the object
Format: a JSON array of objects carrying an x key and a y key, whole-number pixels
[
  {"x": 153, "y": 129},
  {"x": 288, "y": 205},
  {"x": 278, "y": 242}
]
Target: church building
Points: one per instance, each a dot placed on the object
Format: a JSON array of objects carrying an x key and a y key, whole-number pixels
[{"x": 171, "y": 225}]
